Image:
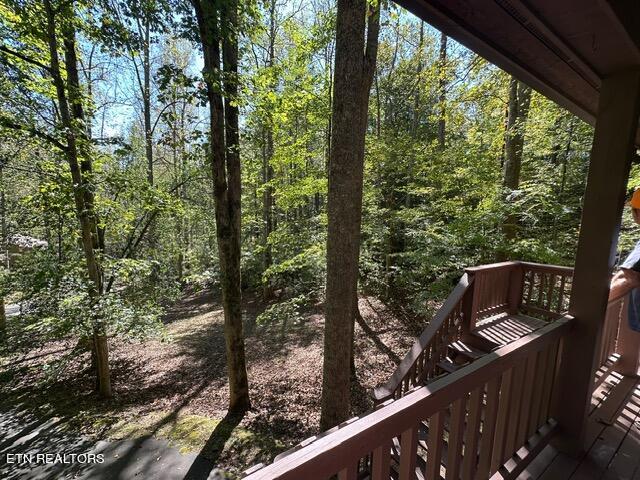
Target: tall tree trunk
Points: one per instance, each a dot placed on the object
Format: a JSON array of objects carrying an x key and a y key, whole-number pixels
[
  {"x": 3, "y": 243},
  {"x": 442, "y": 88},
  {"x": 218, "y": 25},
  {"x": 416, "y": 98},
  {"x": 518, "y": 110},
  {"x": 354, "y": 67},
  {"x": 82, "y": 190},
  {"x": 565, "y": 158},
  {"x": 268, "y": 206},
  {"x": 146, "y": 97}
]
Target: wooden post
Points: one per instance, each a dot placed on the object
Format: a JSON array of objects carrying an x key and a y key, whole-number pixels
[
  {"x": 468, "y": 306},
  {"x": 516, "y": 283},
  {"x": 611, "y": 154}
]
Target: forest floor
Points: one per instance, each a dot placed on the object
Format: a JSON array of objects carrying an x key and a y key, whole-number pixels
[{"x": 175, "y": 388}]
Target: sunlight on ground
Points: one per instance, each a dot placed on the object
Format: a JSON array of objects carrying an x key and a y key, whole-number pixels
[{"x": 192, "y": 433}]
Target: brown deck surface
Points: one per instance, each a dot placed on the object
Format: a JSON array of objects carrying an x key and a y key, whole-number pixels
[
  {"x": 502, "y": 329},
  {"x": 613, "y": 439}
]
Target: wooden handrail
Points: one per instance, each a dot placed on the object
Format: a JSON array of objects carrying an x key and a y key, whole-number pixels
[
  {"x": 498, "y": 287},
  {"x": 510, "y": 423},
  {"x": 414, "y": 368},
  {"x": 544, "y": 267}
]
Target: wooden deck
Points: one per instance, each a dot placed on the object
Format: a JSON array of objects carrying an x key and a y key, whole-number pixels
[
  {"x": 613, "y": 439},
  {"x": 502, "y": 329}
]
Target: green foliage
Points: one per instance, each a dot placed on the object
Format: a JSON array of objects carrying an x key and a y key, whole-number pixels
[
  {"x": 287, "y": 311},
  {"x": 429, "y": 209},
  {"x": 301, "y": 274}
]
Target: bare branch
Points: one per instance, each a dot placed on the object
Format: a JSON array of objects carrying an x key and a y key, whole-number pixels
[
  {"x": 21, "y": 56},
  {"x": 34, "y": 132}
]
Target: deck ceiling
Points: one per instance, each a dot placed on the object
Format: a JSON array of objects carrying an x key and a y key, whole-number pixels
[{"x": 562, "y": 48}]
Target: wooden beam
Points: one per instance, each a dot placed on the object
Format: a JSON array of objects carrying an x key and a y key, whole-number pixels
[
  {"x": 463, "y": 21},
  {"x": 611, "y": 154}
]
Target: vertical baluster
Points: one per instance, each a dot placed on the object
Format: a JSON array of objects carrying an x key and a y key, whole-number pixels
[
  {"x": 515, "y": 409},
  {"x": 560, "y": 308},
  {"x": 506, "y": 285},
  {"x": 472, "y": 433},
  {"x": 381, "y": 462},
  {"x": 539, "y": 302},
  {"x": 488, "y": 428},
  {"x": 550, "y": 290},
  {"x": 527, "y": 400},
  {"x": 537, "y": 393},
  {"x": 531, "y": 280},
  {"x": 549, "y": 380},
  {"x": 434, "y": 446},
  {"x": 349, "y": 473},
  {"x": 491, "y": 289},
  {"x": 456, "y": 432},
  {"x": 502, "y": 422},
  {"x": 480, "y": 292},
  {"x": 408, "y": 453}
]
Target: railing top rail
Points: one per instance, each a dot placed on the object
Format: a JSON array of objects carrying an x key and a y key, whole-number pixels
[
  {"x": 332, "y": 453},
  {"x": 422, "y": 342},
  {"x": 516, "y": 263},
  {"x": 548, "y": 267},
  {"x": 492, "y": 266}
]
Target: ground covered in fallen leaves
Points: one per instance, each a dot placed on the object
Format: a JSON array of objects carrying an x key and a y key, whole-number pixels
[{"x": 175, "y": 387}]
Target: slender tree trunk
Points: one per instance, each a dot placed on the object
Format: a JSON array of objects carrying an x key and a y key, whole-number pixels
[
  {"x": 354, "y": 67},
  {"x": 269, "y": 204},
  {"x": 3, "y": 243},
  {"x": 416, "y": 98},
  {"x": 83, "y": 196},
  {"x": 565, "y": 158},
  {"x": 442, "y": 88},
  {"x": 378, "y": 105},
  {"x": 146, "y": 99},
  {"x": 225, "y": 162},
  {"x": 518, "y": 110}
]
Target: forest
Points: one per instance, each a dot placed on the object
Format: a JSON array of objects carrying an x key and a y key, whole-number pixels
[{"x": 224, "y": 222}]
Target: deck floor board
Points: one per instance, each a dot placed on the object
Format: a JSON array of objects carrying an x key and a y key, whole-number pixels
[{"x": 613, "y": 439}]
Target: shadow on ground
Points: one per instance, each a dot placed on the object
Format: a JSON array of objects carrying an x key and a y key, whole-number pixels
[{"x": 171, "y": 394}]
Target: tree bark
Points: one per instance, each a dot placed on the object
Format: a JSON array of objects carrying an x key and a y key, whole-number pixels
[
  {"x": 79, "y": 168},
  {"x": 354, "y": 67},
  {"x": 518, "y": 110},
  {"x": 218, "y": 25},
  {"x": 416, "y": 98},
  {"x": 3, "y": 243},
  {"x": 146, "y": 98},
  {"x": 442, "y": 88},
  {"x": 268, "y": 200}
]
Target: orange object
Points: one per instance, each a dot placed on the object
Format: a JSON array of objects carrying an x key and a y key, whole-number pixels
[{"x": 635, "y": 199}]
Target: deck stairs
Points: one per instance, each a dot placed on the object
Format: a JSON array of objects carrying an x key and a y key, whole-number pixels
[
  {"x": 491, "y": 307},
  {"x": 490, "y": 334}
]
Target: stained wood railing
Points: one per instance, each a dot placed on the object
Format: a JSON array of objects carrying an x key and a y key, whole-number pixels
[
  {"x": 468, "y": 424},
  {"x": 420, "y": 364},
  {"x": 620, "y": 346},
  {"x": 538, "y": 290},
  {"x": 545, "y": 290}
]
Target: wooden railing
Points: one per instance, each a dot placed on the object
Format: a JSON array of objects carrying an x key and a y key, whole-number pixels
[
  {"x": 620, "y": 346},
  {"x": 545, "y": 290},
  {"x": 468, "y": 424},
  {"x": 538, "y": 290},
  {"x": 420, "y": 364}
]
